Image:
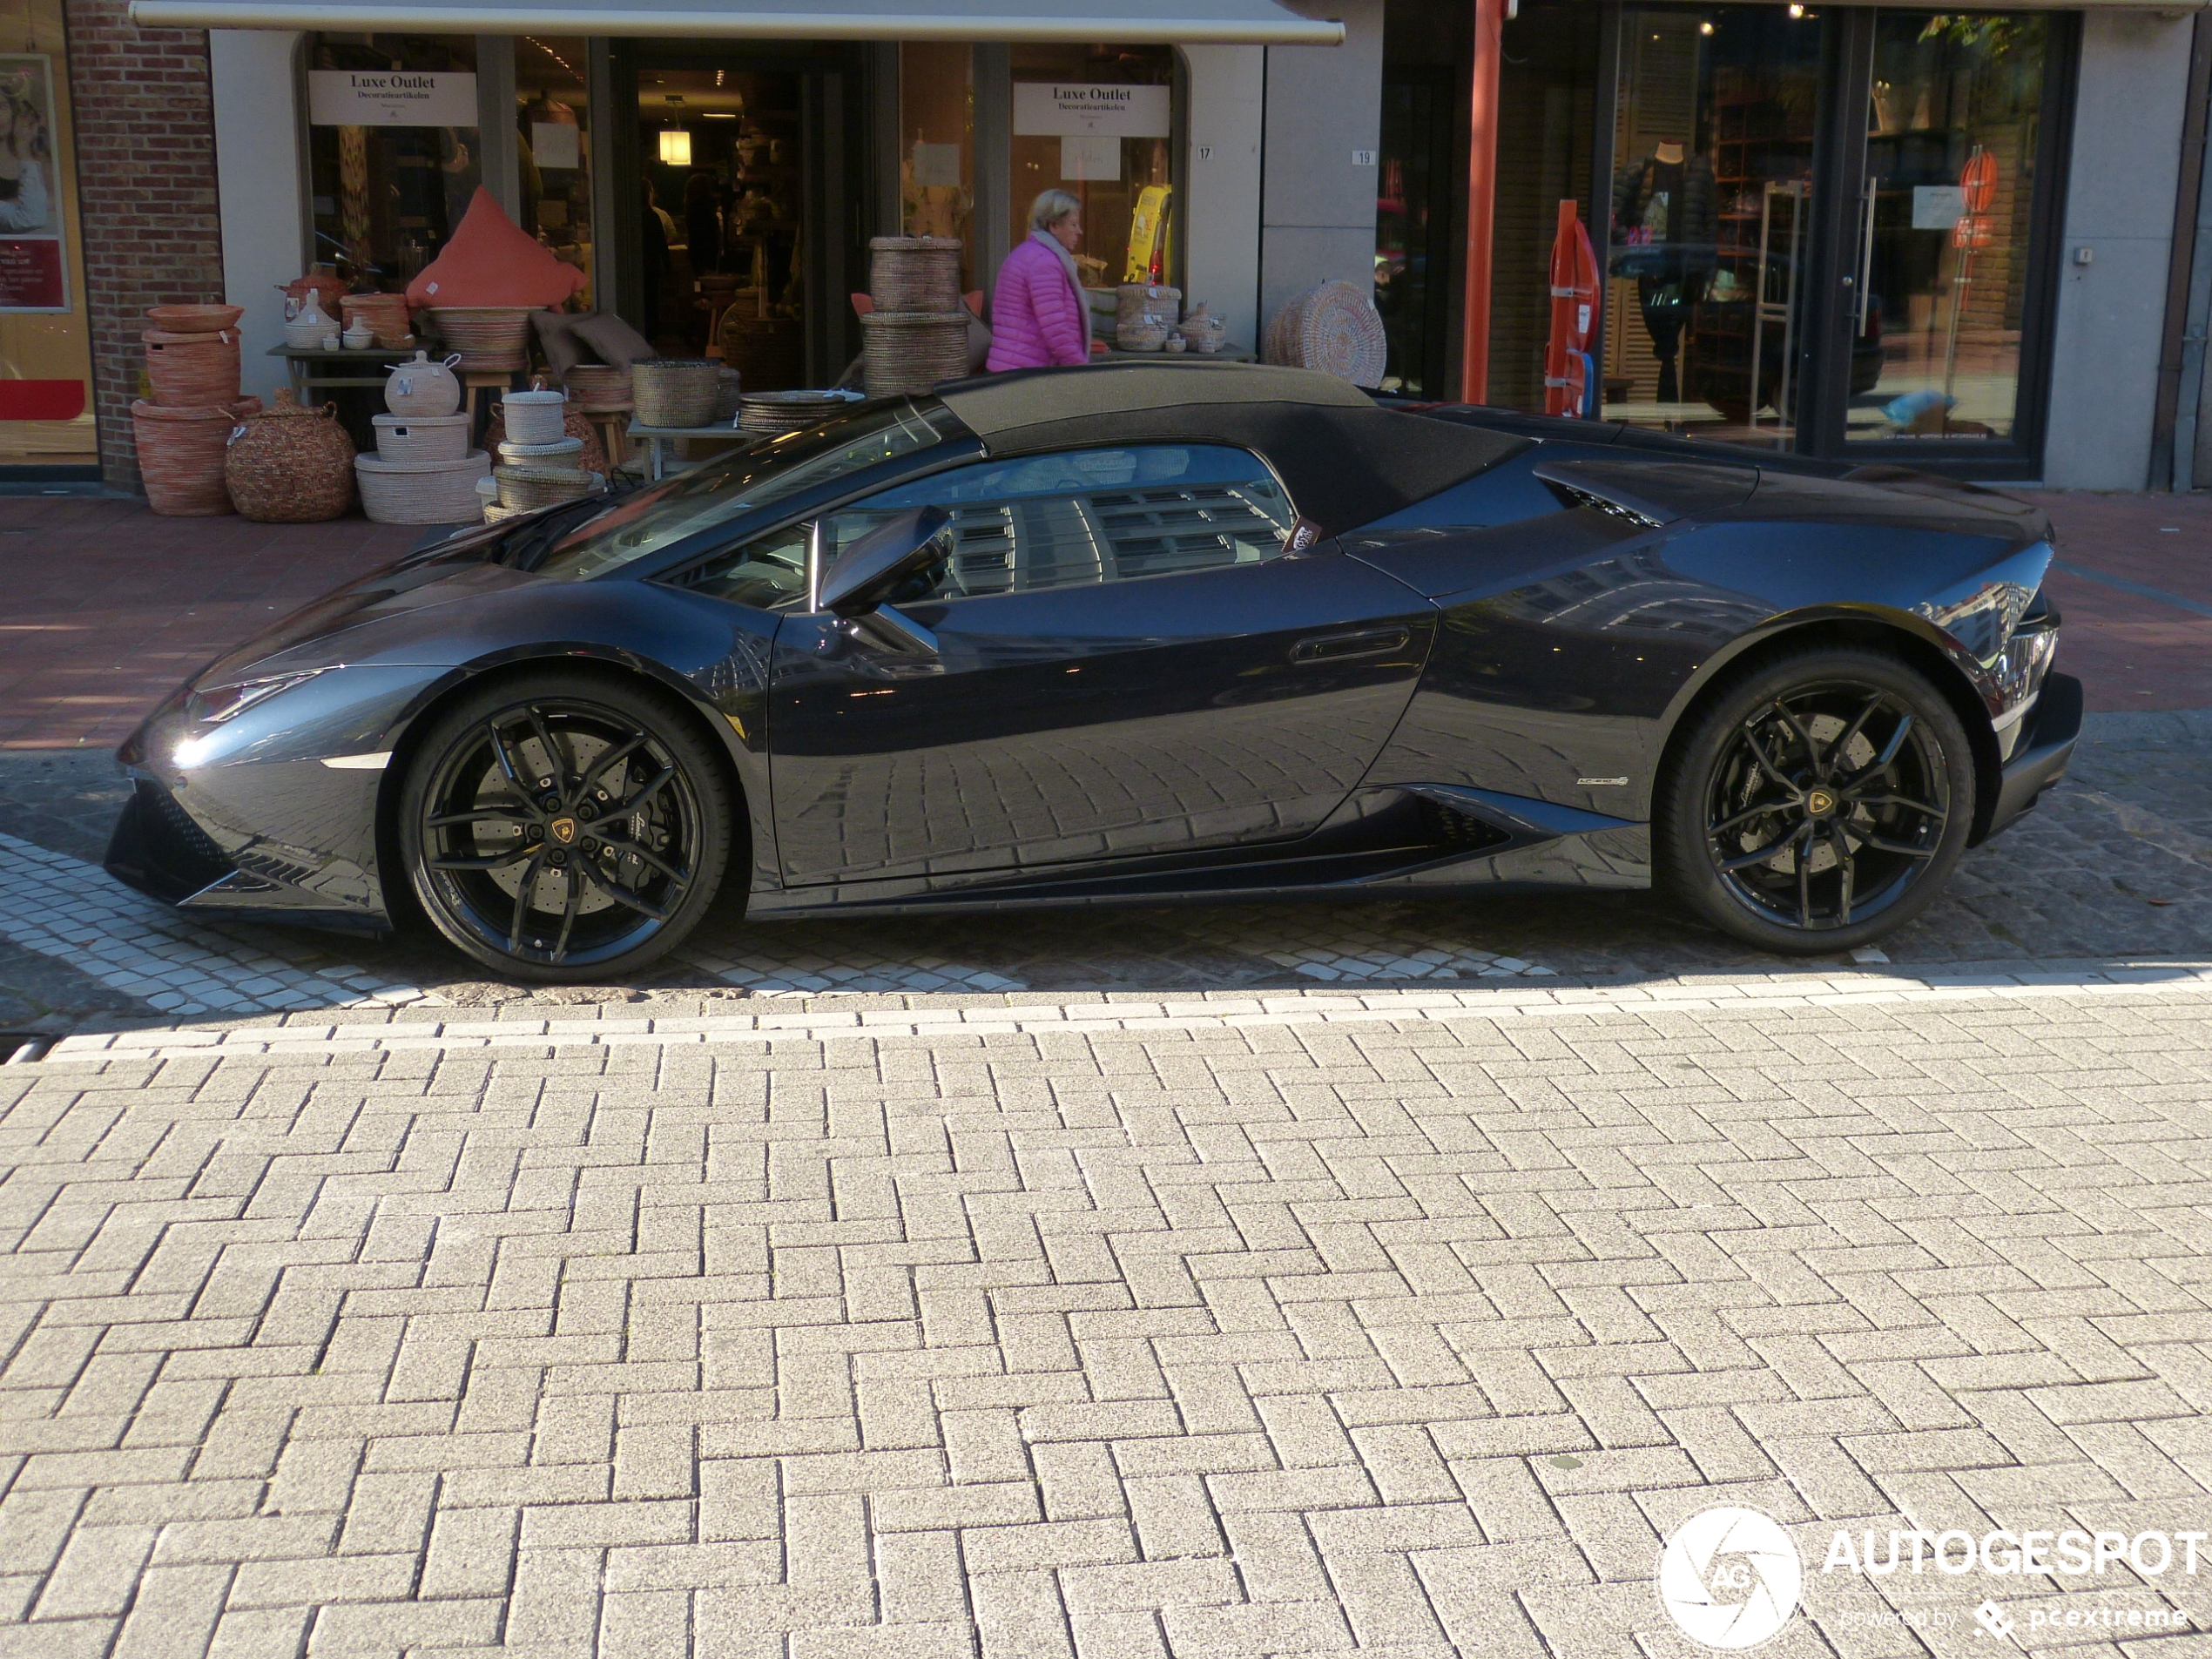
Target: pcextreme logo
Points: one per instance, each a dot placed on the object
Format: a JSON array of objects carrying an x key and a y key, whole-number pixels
[{"x": 1730, "y": 1577}]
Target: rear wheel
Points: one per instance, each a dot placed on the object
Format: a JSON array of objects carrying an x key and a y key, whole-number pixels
[
  {"x": 1818, "y": 804},
  {"x": 557, "y": 829}
]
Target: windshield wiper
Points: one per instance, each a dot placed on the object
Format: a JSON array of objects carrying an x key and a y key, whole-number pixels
[{"x": 531, "y": 542}]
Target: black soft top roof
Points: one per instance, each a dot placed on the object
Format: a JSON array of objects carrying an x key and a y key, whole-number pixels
[{"x": 1346, "y": 461}]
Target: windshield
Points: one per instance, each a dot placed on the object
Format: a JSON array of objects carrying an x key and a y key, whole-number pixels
[{"x": 722, "y": 490}]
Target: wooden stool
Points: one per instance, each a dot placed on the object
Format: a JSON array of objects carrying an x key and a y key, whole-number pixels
[
  {"x": 613, "y": 428},
  {"x": 474, "y": 381}
]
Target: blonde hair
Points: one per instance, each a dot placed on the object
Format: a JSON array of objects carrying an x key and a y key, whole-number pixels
[{"x": 1050, "y": 208}]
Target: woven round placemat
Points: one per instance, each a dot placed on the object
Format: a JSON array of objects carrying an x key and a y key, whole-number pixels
[{"x": 1333, "y": 327}]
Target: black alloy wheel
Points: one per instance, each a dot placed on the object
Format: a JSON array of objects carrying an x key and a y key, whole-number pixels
[
  {"x": 558, "y": 828},
  {"x": 1818, "y": 804}
]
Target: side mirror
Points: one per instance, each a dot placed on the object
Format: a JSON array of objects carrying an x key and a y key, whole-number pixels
[{"x": 873, "y": 569}]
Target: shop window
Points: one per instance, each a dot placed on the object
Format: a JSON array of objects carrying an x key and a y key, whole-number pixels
[
  {"x": 553, "y": 148},
  {"x": 45, "y": 351},
  {"x": 937, "y": 145},
  {"x": 1948, "y": 198},
  {"x": 1095, "y": 122},
  {"x": 393, "y": 146}
]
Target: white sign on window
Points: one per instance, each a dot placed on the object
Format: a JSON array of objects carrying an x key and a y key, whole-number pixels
[
  {"x": 557, "y": 144},
  {"x": 361, "y": 97},
  {"x": 1087, "y": 155},
  {"x": 1938, "y": 207},
  {"x": 1065, "y": 110}
]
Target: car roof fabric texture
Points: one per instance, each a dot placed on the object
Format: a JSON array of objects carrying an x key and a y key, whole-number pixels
[{"x": 1346, "y": 462}]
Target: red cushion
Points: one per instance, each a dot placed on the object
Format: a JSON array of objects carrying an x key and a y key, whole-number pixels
[{"x": 491, "y": 260}]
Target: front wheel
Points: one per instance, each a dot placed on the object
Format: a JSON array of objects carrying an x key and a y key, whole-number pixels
[
  {"x": 1818, "y": 804},
  {"x": 558, "y": 829}
]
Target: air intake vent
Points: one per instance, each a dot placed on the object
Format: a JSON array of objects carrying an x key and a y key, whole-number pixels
[{"x": 1459, "y": 833}]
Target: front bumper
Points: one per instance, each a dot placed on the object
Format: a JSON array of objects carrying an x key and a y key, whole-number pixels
[
  {"x": 159, "y": 849},
  {"x": 2041, "y": 757}
]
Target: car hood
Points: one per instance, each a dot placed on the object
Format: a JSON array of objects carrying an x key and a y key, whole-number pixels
[{"x": 313, "y": 636}]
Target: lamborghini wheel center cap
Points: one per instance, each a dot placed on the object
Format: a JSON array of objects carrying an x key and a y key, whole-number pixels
[
  {"x": 1819, "y": 803},
  {"x": 562, "y": 829}
]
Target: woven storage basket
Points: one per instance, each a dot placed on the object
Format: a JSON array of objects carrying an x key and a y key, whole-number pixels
[
  {"x": 490, "y": 338},
  {"x": 192, "y": 371},
  {"x": 578, "y": 426},
  {"x": 194, "y": 320},
  {"x": 523, "y": 488},
  {"x": 729, "y": 395},
  {"x": 598, "y": 389},
  {"x": 1333, "y": 327},
  {"x": 422, "y": 386},
  {"x": 674, "y": 391},
  {"x": 1140, "y": 306},
  {"x": 387, "y": 314},
  {"x": 562, "y": 452},
  {"x": 911, "y": 351},
  {"x": 289, "y": 465},
  {"x": 915, "y": 272},
  {"x": 421, "y": 492},
  {"x": 534, "y": 416},
  {"x": 422, "y": 437},
  {"x": 180, "y": 456}
]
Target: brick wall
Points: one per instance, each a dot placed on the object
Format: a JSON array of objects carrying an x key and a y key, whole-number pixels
[{"x": 146, "y": 186}]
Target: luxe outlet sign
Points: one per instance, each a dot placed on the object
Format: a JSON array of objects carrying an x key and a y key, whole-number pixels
[
  {"x": 1064, "y": 109},
  {"x": 361, "y": 97}
]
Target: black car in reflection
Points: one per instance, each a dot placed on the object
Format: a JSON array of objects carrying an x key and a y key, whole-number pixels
[{"x": 1152, "y": 632}]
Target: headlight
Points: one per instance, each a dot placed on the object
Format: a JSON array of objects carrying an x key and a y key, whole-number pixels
[{"x": 214, "y": 705}]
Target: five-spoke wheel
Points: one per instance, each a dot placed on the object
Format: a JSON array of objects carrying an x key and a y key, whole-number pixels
[
  {"x": 1818, "y": 803},
  {"x": 558, "y": 829}
]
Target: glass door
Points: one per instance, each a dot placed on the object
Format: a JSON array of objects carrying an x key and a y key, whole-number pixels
[
  {"x": 1711, "y": 233},
  {"x": 1945, "y": 216}
]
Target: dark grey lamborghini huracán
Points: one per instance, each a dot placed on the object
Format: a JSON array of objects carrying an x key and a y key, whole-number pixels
[{"x": 1133, "y": 633}]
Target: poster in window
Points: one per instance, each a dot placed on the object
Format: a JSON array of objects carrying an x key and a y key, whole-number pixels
[{"x": 34, "y": 271}]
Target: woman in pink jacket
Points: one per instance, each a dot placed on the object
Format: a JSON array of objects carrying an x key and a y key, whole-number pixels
[{"x": 1039, "y": 316}]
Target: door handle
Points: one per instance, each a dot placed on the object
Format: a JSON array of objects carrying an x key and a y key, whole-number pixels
[{"x": 1362, "y": 641}]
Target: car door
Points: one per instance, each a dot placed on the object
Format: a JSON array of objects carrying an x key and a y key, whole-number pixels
[{"x": 1127, "y": 660}]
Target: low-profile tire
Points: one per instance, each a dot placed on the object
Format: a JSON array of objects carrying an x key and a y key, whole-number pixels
[
  {"x": 1816, "y": 805},
  {"x": 562, "y": 827}
]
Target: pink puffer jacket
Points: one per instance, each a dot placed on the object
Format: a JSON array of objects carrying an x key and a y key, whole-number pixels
[{"x": 1036, "y": 317}]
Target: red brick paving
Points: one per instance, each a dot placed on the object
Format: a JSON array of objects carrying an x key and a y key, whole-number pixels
[{"x": 104, "y": 607}]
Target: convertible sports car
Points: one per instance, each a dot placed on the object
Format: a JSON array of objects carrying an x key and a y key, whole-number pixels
[{"x": 1133, "y": 633}]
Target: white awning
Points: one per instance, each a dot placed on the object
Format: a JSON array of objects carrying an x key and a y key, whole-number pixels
[{"x": 1256, "y": 23}]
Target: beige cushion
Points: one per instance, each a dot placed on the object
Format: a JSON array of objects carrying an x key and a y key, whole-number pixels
[
  {"x": 615, "y": 341},
  {"x": 556, "y": 339}
]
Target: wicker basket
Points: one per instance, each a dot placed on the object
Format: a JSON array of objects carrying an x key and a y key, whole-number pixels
[
  {"x": 290, "y": 465},
  {"x": 421, "y": 492},
  {"x": 598, "y": 389},
  {"x": 562, "y": 452},
  {"x": 490, "y": 338},
  {"x": 194, "y": 320},
  {"x": 192, "y": 371},
  {"x": 180, "y": 456},
  {"x": 911, "y": 351},
  {"x": 422, "y": 388},
  {"x": 729, "y": 395},
  {"x": 674, "y": 391},
  {"x": 387, "y": 314},
  {"x": 534, "y": 416},
  {"x": 422, "y": 437},
  {"x": 523, "y": 488},
  {"x": 915, "y": 272}
]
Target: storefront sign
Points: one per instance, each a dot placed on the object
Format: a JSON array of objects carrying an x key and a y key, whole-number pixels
[
  {"x": 34, "y": 265},
  {"x": 1059, "y": 108},
  {"x": 361, "y": 97}
]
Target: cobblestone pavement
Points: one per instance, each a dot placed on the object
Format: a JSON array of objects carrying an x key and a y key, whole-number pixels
[
  {"x": 1401, "y": 1326},
  {"x": 2116, "y": 863}
]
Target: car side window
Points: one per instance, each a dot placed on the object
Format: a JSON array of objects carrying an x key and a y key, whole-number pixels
[
  {"x": 1085, "y": 516},
  {"x": 768, "y": 571}
]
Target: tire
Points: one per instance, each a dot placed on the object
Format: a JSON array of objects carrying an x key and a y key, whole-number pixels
[
  {"x": 1848, "y": 768},
  {"x": 599, "y": 907}
]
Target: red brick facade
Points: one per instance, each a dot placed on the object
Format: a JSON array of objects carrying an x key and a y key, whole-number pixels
[{"x": 145, "y": 188}]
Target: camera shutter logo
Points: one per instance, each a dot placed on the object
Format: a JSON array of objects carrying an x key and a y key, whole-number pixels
[{"x": 1730, "y": 1577}]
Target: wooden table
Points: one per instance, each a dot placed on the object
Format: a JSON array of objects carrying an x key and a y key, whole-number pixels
[
  {"x": 657, "y": 438},
  {"x": 312, "y": 369}
]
